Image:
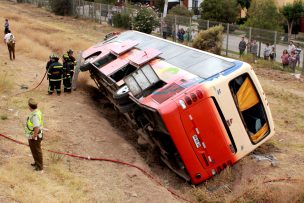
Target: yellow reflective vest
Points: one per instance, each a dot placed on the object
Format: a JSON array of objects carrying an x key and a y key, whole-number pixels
[{"x": 29, "y": 126}]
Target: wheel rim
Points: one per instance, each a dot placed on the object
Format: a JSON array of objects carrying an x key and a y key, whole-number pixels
[
  {"x": 123, "y": 90},
  {"x": 89, "y": 59}
]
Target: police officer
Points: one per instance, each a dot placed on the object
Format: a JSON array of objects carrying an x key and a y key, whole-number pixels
[
  {"x": 66, "y": 73},
  {"x": 33, "y": 131},
  {"x": 55, "y": 73},
  {"x": 72, "y": 62}
]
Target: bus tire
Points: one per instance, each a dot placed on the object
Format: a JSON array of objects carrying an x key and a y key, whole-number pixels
[{"x": 121, "y": 96}]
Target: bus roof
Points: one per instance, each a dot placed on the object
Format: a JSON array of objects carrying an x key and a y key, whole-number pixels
[{"x": 197, "y": 62}]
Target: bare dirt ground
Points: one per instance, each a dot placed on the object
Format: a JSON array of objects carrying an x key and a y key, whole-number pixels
[{"x": 84, "y": 123}]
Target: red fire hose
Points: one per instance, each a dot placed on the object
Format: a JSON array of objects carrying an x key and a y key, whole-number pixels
[
  {"x": 32, "y": 88},
  {"x": 107, "y": 160}
]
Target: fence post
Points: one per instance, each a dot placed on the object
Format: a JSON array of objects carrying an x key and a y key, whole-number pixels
[
  {"x": 100, "y": 13},
  {"x": 208, "y": 24},
  {"x": 275, "y": 40},
  {"x": 227, "y": 42},
  {"x": 83, "y": 9},
  {"x": 190, "y": 31},
  {"x": 174, "y": 38},
  {"x": 162, "y": 20}
]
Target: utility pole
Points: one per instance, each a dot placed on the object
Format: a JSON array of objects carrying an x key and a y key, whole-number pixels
[{"x": 165, "y": 9}]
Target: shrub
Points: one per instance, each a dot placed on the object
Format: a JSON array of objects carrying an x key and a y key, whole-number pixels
[
  {"x": 61, "y": 7},
  {"x": 210, "y": 40},
  {"x": 146, "y": 20},
  {"x": 122, "y": 20}
]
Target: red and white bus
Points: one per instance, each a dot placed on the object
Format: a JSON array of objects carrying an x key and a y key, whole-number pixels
[{"x": 201, "y": 111}]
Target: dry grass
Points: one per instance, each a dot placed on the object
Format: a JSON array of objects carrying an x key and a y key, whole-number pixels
[
  {"x": 59, "y": 185},
  {"x": 5, "y": 82},
  {"x": 217, "y": 188}
]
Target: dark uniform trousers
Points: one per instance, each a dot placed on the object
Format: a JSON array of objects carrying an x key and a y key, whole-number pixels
[
  {"x": 54, "y": 85},
  {"x": 67, "y": 83},
  {"x": 11, "y": 50},
  {"x": 35, "y": 146}
]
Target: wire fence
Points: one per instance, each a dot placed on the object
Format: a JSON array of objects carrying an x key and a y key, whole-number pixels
[{"x": 180, "y": 28}]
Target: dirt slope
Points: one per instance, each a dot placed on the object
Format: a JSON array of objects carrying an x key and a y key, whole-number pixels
[{"x": 84, "y": 123}]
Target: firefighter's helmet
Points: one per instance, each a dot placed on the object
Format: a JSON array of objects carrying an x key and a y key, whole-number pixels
[{"x": 54, "y": 56}]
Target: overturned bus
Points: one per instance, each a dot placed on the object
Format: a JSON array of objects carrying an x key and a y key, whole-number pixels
[{"x": 203, "y": 112}]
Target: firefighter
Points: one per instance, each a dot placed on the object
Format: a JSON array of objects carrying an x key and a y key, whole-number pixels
[
  {"x": 55, "y": 73},
  {"x": 66, "y": 73},
  {"x": 72, "y": 62},
  {"x": 49, "y": 63}
]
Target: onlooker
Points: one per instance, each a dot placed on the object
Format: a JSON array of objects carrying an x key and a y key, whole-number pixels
[
  {"x": 187, "y": 36},
  {"x": 291, "y": 47},
  {"x": 292, "y": 61},
  {"x": 298, "y": 52},
  {"x": 6, "y": 26},
  {"x": 285, "y": 59},
  {"x": 164, "y": 29},
  {"x": 273, "y": 54},
  {"x": 10, "y": 41},
  {"x": 180, "y": 34},
  {"x": 193, "y": 34},
  {"x": 267, "y": 51},
  {"x": 109, "y": 16},
  {"x": 254, "y": 50},
  {"x": 242, "y": 46}
]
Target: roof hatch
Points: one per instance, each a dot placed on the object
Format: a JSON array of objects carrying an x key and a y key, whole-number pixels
[
  {"x": 144, "y": 56},
  {"x": 123, "y": 47}
]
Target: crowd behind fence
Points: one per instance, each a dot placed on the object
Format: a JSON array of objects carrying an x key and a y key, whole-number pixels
[{"x": 172, "y": 24}]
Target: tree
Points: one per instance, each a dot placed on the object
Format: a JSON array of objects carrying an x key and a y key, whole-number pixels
[
  {"x": 145, "y": 20},
  {"x": 61, "y": 7},
  {"x": 244, "y": 3},
  {"x": 180, "y": 11},
  {"x": 264, "y": 14},
  {"x": 292, "y": 13},
  {"x": 220, "y": 10}
]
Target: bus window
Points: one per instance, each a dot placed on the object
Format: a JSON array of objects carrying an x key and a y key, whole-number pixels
[{"x": 250, "y": 107}]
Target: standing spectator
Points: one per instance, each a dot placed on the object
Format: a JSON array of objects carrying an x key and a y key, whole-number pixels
[
  {"x": 187, "y": 36},
  {"x": 10, "y": 41},
  {"x": 254, "y": 50},
  {"x": 174, "y": 33},
  {"x": 292, "y": 61},
  {"x": 291, "y": 47},
  {"x": 273, "y": 54},
  {"x": 267, "y": 51},
  {"x": 298, "y": 52},
  {"x": 285, "y": 59},
  {"x": 109, "y": 16},
  {"x": 180, "y": 35},
  {"x": 164, "y": 28},
  {"x": 6, "y": 26},
  {"x": 242, "y": 47},
  {"x": 193, "y": 34}
]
